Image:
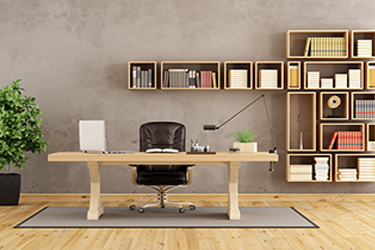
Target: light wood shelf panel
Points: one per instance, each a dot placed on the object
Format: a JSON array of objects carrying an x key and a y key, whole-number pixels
[
  {"x": 293, "y": 76},
  {"x": 296, "y": 42},
  {"x": 246, "y": 65},
  {"x": 144, "y": 65},
  {"x": 349, "y": 161},
  {"x": 363, "y": 108},
  {"x": 301, "y": 117},
  {"x": 328, "y": 114},
  {"x": 370, "y": 75},
  {"x": 361, "y": 34},
  {"x": 328, "y": 69},
  {"x": 306, "y": 159},
  {"x": 327, "y": 129},
  {"x": 277, "y": 65},
  {"x": 199, "y": 66}
]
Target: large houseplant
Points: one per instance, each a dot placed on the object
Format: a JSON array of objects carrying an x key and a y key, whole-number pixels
[
  {"x": 20, "y": 132},
  {"x": 245, "y": 140}
]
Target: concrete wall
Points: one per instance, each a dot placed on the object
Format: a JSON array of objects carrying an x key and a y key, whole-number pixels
[{"x": 72, "y": 56}]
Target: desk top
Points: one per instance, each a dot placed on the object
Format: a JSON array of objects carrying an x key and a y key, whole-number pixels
[{"x": 163, "y": 158}]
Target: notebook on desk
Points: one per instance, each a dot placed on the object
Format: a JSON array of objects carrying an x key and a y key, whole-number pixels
[{"x": 92, "y": 138}]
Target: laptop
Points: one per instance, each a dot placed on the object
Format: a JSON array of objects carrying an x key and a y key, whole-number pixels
[{"x": 92, "y": 138}]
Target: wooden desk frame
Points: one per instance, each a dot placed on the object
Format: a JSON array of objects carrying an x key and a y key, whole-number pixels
[{"x": 95, "y": 161}]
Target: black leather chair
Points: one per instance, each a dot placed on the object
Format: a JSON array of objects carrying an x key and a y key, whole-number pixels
[{"x": 162, "y": 178}]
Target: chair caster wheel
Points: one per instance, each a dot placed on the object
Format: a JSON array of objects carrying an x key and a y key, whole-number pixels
[
  {"x": 141, "y": 211},
  {"x": 181, "y": 210},
  {"x": 132, "y": 207},
  {"x": 192, "y": 207}
]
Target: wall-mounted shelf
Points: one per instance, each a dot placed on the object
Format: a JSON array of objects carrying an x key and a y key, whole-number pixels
[
  {"x": 331, "y": 99},
  {"x": 238, "y": 75},
  {"x": 142, "y": 75},
  {"x": 362, "y": 44},
  {"x": 356, "y": 167},
  {"x": 293, "y": 75},
  {"x": 363, "y": 106},
  {"x": 299, "y": 167},
  {"x": 370, "y": 137},
  {"x": 370, "y": 75},
  {"x": 269, "y": 75}
]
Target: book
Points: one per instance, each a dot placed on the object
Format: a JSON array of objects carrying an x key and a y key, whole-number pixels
[
  {"x": 332, "y": 141},
  {"x": 307, "y": 46},
  {"x": 134, "y": 85},
  {"x": 162, "y": 150}
]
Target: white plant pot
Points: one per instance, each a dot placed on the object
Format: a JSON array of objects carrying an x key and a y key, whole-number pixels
[{"x": 250, "y": 147}]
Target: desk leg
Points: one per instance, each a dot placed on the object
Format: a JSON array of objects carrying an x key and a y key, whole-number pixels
[
  {"x": 96, "y": 208},
  {"x": 232, "y": 210}
]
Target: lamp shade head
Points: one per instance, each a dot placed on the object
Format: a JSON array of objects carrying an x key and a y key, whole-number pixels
[{"x": 209, "y": 127}]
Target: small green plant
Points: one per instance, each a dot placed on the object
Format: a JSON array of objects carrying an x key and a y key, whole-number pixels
[
  {"x": 245, "y": 135},
  {"x": 20, "y": 127}
]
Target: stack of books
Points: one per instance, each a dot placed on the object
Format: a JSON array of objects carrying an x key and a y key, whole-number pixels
[
  {"x": 326, "y": 83},
  {"x": 366, "y": 168},
  {"x": 364, "y": 48},
  {"x": 141, "y": 78},
  {"x": 321, "y": 168},
  {"x": 341, "y": 81},
  {"x": 354, "y": 78},
  {"x": 364, "y": 109},
  {"x": 313, "y": 78},
  {"x": 371, "y": 76},
  {"x": 293, "y": 76},
  {"x": 347, "y": 174},
  {"x": 237, "y": 78},
  {"x": 301, "y": 172},
  {"x": 268, "y": 78},
  {"x": 371, "y": 145}
]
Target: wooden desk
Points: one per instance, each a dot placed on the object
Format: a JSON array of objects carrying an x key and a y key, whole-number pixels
[{"x": 95, "y": 161}]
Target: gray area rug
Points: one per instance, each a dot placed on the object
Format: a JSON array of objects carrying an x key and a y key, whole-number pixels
[{"x": 202, "y": 217}]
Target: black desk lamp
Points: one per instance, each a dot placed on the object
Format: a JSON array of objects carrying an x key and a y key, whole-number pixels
[{"x": 214, "y": 127}]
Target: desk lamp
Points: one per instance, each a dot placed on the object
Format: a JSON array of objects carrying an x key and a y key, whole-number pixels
[{"x": 214, "y": 127}]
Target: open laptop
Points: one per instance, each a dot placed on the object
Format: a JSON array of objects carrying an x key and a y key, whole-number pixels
[{"x": 92, "y": 138}]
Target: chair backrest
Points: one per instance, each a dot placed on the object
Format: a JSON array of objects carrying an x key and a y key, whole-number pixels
[{"x": 162, "y": 135}]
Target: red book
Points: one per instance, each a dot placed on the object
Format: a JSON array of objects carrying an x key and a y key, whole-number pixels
[
  {"x": 339, "y": 140},
  {"x": 332, "y": 141}
]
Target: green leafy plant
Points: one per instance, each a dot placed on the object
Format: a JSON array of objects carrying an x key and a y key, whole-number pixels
[
  {"x": 245, "y": 135},
  {"x": 20, "y": 127}
]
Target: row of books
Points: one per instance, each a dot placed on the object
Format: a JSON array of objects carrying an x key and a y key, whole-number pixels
[
  {"x": 371, "y": 76},
  {"x": 346, "y": 140},
  {"x": 351, "y": 80},
  {"x": 325, "y": 47},
  {"x": 364, "y": 109},
  {"x": 268, "y": 78},
  {"x": 141, "y": 78},
  {"x": 293, "y": 76},
  {"x": 321, "y": 168},
  {"x": 237, "y": 78},
  {"x": 366, "y": 168},
  {"x": 364, "y": 47},
  {"x": 188, "y": 78}
]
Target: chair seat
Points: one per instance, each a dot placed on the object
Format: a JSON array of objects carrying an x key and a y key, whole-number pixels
[{"x": 161, "y": 178}]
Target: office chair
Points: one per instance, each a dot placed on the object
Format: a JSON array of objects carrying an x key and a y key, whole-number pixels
[{"x": 162, "y": 178}]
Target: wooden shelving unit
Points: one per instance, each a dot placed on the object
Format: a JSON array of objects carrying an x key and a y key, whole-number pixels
[
  {"x": 324, "y": 42},
  {"x": 328, "y": 70},
  {"x": 330, "y": 98},
  {"x": 303, "y": 160},
  {"x": 178, "y": 80},
  {"x": 293, "y": 72},
  {"x": 370, "y": 75},
  {"x": 301, "y": 118},
  {"x": 356, "y": 35},
  {"x": 239, "y": 68},
  {"x": 275, "y": 66},
  {"x": 363, "y": 106},
  {"x": 349, "y": 161},
  {"x": 136, "y": 76}
]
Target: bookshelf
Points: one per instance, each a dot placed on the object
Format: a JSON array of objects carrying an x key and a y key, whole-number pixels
[
  {"x": 370, "y": 75},
  {"x": 296, "y": 163},
  {"x": 363, "y": 106},
  {"x": 370, "y": 137},
  {"x": 269, "y": 75},
  {"x": 327, "y": 106},
  {"x": 362, "y": 44},
  {"x": 293, "y": 71},
  {"x": 321, "y": 44},
  {"x": 137, "y": 77},
  {"x": 190, "y": 75},
  {"x": 363, "y": 166},
  {"x": 238, "y": 75}
]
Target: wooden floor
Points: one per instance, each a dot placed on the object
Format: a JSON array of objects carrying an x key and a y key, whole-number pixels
[{"x": 346, "y": 222}]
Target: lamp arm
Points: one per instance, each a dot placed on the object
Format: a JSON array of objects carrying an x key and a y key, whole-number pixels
[{"x": 270, "y": 125}]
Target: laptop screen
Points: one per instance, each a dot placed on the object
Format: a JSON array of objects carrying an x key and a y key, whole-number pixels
[{"x": 92, "y": 135}]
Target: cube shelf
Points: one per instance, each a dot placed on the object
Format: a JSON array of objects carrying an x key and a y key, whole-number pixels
[
  {"x": 269, "y": 75},
  {"x": 142, "y": 75},
  {"x": 327, "y": 106},
  {"x": 303, "y": 160},
  {"x": 363, "y": 106},
  {"x": 350, "y": 161},
  {"x": 293, "y": 75},
  {"x": 238, "y": 75},
  {"x": 366, "y": 40}
]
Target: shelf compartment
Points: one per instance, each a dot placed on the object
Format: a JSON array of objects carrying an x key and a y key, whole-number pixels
[
  {"x": 293, "y": 75},
  {"x": 350, "y": 161},
  {"x": 363, "y": 106},
  {"x": 302, "y": 160},
  {"x": 356, "y": 35},
  {"x": 370, "y": 75},
  {"x": 339, "y": 113},
  {"x": 327, "y": 130},
  {"x": 301, "y": 117},
  {"x": 296, "y": 41},
  {"x": 370, "y": 137},
  {"x": 179, "y": 81},
  {"x": 238, "y": 65},
  {"x": 135, "y": 75},
  {"x": 330, "y": 69},
  {"x": 272, "y": 75}
]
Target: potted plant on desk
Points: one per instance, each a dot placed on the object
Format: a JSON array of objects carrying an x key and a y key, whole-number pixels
[
  {"x": 245, "y": 140},
  {"x": 20, "y": 132}
]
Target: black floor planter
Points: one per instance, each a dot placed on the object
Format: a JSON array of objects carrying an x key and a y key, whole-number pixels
[{"x": 9, "y": 189}]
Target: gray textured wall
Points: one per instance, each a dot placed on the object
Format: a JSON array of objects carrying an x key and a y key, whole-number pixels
[{"x": 72, "y": 56}]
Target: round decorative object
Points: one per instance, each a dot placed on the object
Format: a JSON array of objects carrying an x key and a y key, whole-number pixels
[{"x": 333, "y": 102}]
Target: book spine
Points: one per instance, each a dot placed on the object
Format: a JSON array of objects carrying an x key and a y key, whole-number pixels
[
  {"x": 150, "y": 85},
  {"x": 332, "y": 141},
  {"x": 134, "y": 77}
]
